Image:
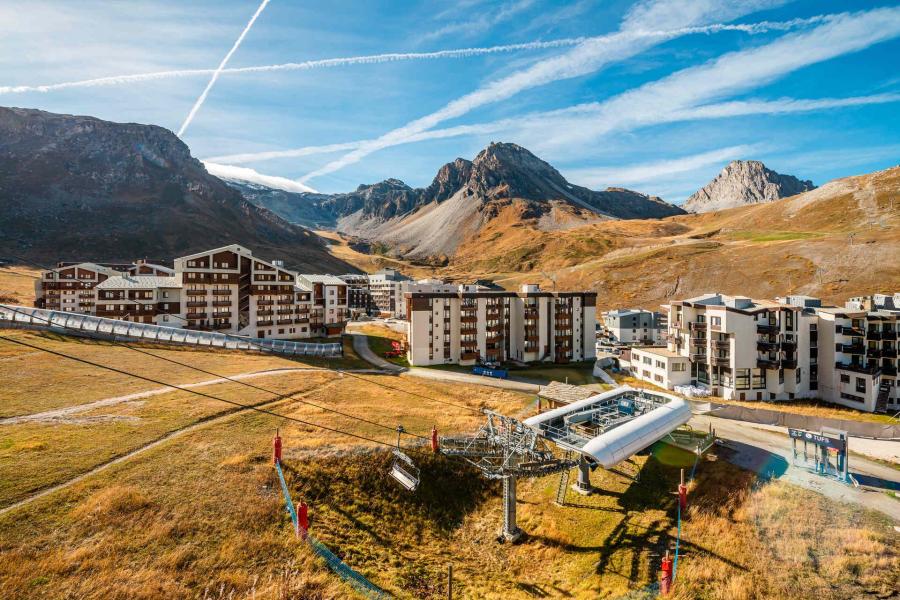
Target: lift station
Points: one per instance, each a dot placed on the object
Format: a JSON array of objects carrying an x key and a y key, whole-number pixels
[{"x": 602, "y": 430}]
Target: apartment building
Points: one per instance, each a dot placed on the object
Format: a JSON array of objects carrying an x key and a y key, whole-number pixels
[
  {"x": 384, "y": 286},
  {"x": 422, "y": 286},
  {"x": 660, "y": 366},
  {"x": 225, "y": 289},
  {"x": 471, "y": 325},
  {"x": 140, "y": 298},
  {"x": 328, "y": 312},
  {"x": 634, "y": 326},
  {"x": 789, "y": 348},
  {"x": 359, "y": 298}
]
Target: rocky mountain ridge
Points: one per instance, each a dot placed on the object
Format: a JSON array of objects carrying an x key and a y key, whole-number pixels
[
  {"x": 78, "y": 187},
  {"x": 744, "y": 182}
]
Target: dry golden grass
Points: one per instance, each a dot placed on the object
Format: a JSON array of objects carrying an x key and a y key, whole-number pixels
[
  {"x": 35, "y": 381},
  {"x": 747, "y": 541},
  {"x": 17, "y": 285}
]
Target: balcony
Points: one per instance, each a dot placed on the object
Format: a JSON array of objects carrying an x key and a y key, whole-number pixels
[
  {"x": 265, "y": 302},
  {"x": 789, "y": 363},
  {"x": 857, "y": 368},
  {"x": 789, "y": 345},
  {"x": 265, "y": 313},
  {"x": 191, "y": 315},
  {"x": 889, "y": 370},
  {"x": 697, "y": 356},
  {"x": 265, "y": 323},
  {"x": 766, "y": 346},
  {"x": 284, "y": 321},
  {"x": 288, "y": 301},
  {"x": 196, "y": 303},
  {"x": 853, "y": 349},
  {"x": 195, "y": 292},
  {"x": 221, "y": 314},
  {"x": 873, "y": 334},
  {"x": 698, "y": 326},
  {"x": 302, "y": 320},
  {"x": 720, "y": 361},
  {"x": 285, "y": 311},
  {"x": 888, "y": 353},
  {"x": 220, "y": 303},
  {"x": 721, "y": 344},
  {"x": 767, "y": 328},
  {"x": 218, "y": 326},
  {"x": 766, "y": 363},
  {"x": 468, "y": 319},
  {"x": 225, "y": 292},
  {"x": 874, "y": 353},
  {"x": 494, "y": 328},
  {"x": 889, "y": 334},
  {"x": 854, "y": 331}
]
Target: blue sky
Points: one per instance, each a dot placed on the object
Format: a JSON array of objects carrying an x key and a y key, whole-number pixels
[{"x": 656, "y": 95}]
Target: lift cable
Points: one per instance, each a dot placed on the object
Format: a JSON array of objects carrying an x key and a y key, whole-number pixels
[
  {"x": 202, "y": 394},
  {"x": 238, "y": 381},
  {"x": 245, "y": 340}
]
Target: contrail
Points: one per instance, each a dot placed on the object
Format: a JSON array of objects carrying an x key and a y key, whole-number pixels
[
  {"x": 295, "y": 66},
  {"x": 112, "y": 80},
  {"x": 218, "y": 71}
]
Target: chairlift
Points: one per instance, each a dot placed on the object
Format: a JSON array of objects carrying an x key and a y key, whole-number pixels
[{"x": 403, "y": 469}]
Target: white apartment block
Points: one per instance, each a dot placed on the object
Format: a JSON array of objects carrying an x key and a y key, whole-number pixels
[
  {"x": 470, "y": 325},
  {"x": 634, "y": 326},
  {"x": 225, "y": 289},
  {"x": 422, "y": 286},
  {"x": 660, "y": 366},
  {"x": 385, "y": 289},
  {"x": 791, "y": 348}
]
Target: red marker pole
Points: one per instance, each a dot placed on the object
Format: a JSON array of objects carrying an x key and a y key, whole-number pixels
[
  {"x": 665, "y": 581},
  {"x": 276, "y": 448},
  {"x": 303, "y": 519},
  {"x": 682, "y": 495},
  {"x": 434, "y": 439}
]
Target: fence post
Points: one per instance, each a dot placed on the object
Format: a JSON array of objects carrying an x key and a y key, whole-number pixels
[
  {"x": 682, "y": 494},
  {"x": 276, "y": 448},
  {"x": 665, "y": 581},
  {"x": 303, "y": 520},
  {"x": 450, "y": 582},
  {"x": 434, "y": 439}
]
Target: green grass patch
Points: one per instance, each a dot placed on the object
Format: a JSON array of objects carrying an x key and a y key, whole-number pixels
[{"x": 772, "y": 236}]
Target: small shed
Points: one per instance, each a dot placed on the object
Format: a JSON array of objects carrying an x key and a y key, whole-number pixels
[{"x": 558, "y": 394}]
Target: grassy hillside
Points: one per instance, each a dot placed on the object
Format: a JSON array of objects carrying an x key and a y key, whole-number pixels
[{"x": 837, "y": 241}]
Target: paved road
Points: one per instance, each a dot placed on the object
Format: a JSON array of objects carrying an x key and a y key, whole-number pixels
[
  {"x": 767, "y": 451},
  {"x": 361, "y": 347}
]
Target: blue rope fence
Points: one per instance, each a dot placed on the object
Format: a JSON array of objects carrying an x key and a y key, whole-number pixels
[
  {"x": 678, "y": 537},
  {"x": 342, "y": 569}
]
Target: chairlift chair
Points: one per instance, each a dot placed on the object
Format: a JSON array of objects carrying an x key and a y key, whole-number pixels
[{"x": 403, "y": 469}]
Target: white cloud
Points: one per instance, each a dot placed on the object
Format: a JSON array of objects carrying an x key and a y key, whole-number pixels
[
  {"x": 659, "y": 170},
  {"x": 218, "y": 71},
  {"x": 648, "y": 24},
  {"x": 482, "y": 22},
  {"x": 247, "y": 175}
]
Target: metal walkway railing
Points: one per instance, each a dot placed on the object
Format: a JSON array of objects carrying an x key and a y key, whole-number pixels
[{"x": 113, "y": 329}]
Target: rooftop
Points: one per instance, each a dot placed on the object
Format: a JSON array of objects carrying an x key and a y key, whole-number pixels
[
  {"x": 564, "y": 393},
  {"x": 658, "y": 351},
  {"x": 325, "y": 279},
  {"x": 142, "y": 282}
]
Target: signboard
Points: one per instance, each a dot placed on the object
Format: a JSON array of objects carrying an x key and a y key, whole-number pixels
[
  {"x": 626, "y": 406},
  {"x": 819, "y": 439}
]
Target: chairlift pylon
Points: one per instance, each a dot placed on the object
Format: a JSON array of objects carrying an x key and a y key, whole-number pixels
[{"x": 403, "y": 469}]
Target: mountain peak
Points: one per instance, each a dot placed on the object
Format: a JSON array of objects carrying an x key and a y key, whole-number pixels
[{"x": 744, "y": 182}]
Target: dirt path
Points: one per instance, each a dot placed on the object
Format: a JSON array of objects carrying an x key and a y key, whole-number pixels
[
  {"x": 61, "y": 414},
  {"x": 768, "y": 453},
  {"x": 268, "y": 404}
]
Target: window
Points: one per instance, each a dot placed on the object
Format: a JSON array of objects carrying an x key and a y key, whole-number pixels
[
  {"x": 860, "y": 385},
  {"x": 798, "y": 374},
  {"x": 715, "y": 321},
  {"x": 759, "y": 378},
  {"x": 845, "y": 378},
  {"x": 679, "y": 366},
  {"x": 660, "y": 364},
  {"x": 647, "y": 360},
  {"x": 742, "y": 379},
  {"x": 658, "y": 378}
]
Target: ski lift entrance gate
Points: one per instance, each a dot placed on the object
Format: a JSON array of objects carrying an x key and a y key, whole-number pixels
[{"x": 824, "y": 453}]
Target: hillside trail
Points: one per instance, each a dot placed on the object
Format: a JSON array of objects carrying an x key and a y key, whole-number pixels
[
  {"x": 60, "y": 415},
  {"x": 176, "y": 433}
]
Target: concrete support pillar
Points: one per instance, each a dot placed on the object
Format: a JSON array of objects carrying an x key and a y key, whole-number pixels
[
  {"x": 583, "y": 484},
  {"x": 511, "y": 531}
]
